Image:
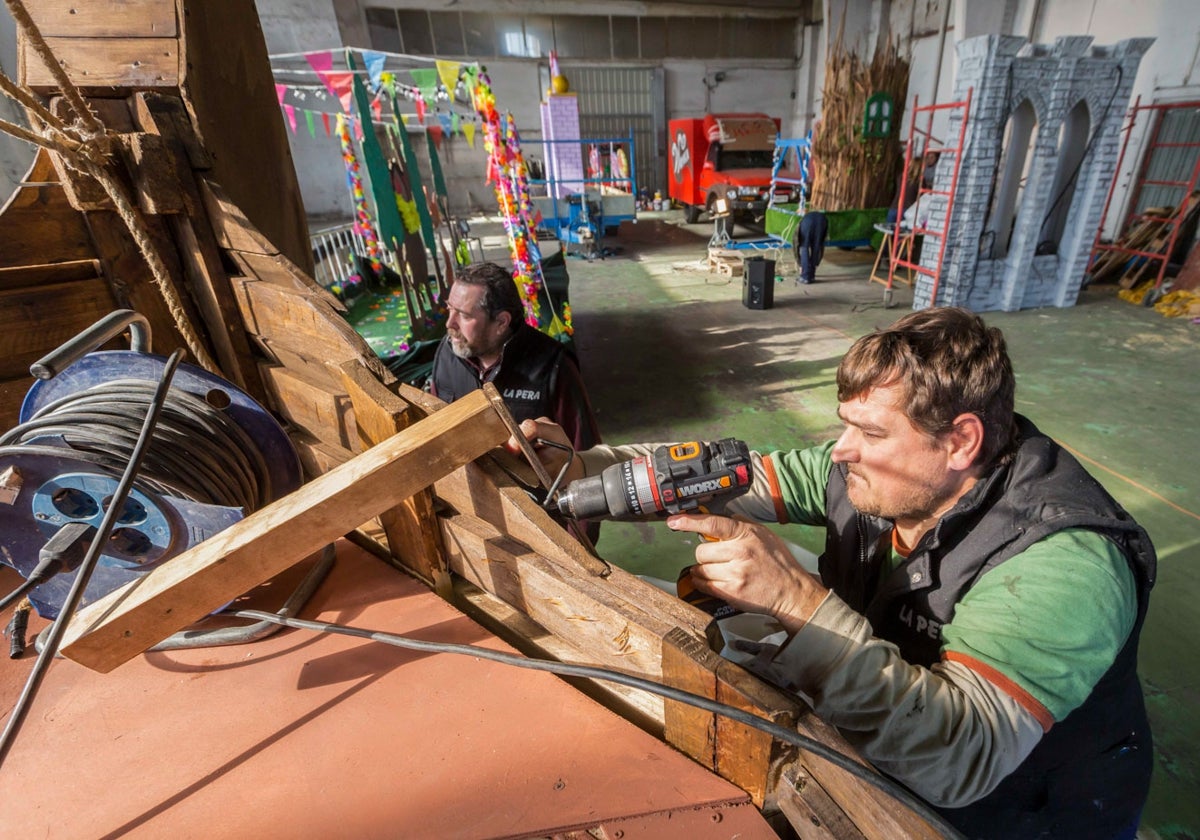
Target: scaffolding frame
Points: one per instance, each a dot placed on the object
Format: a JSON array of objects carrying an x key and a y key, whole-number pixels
[
  {"x": 1183, "y": 207},
  {"x": 899, "y": 255}
]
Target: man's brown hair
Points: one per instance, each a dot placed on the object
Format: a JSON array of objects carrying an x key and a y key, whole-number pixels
[
  {"x": 499, "y": 290},
  {"x": 949, "y": 363}
]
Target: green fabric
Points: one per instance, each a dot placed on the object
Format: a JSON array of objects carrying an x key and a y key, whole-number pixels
[
  {"x": 414, "y": 181},
  {"x": 391, "y": 228},
  {"x": 1051, "y": 619},
  {"x": 435, "y": 164},
  {"x": 845, "y": 226}
]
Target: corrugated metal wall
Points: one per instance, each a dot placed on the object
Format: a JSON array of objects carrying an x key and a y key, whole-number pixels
[
  {"x": 1169, "y": 162},
  {"x": 615, "y": 100}
]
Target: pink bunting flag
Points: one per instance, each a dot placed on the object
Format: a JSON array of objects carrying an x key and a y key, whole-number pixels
[
  {"x": 281, "y": 92},
  {"x": 322, "y": 62},
  {"x": 377, "y": 109},
  {"x": 420, "y": 103},
  {"x": 290, "y": 110}
]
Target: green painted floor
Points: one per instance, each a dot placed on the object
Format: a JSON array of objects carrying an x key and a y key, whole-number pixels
[{"x": 670, "y": 353}]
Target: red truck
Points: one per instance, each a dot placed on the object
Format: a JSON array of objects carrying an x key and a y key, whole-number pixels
[{"x": 724, "y": 155}]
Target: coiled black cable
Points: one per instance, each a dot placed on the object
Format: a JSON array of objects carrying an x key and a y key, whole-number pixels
[{"x": 198, "y": 453}]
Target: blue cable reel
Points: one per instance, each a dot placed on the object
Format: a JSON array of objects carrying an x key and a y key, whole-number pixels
[{"x": 216, "y": 456}]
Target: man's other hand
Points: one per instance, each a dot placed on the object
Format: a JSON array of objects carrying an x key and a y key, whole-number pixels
[
  {"x": 552, "y": 457},
  {"x": 748, "y": 566}
]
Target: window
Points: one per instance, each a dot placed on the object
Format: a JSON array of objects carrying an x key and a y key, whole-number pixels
[
  {"x": 415, "y": 32},
  {"x": 447, "y": 33},
  {"x": 383, "y": 30}
]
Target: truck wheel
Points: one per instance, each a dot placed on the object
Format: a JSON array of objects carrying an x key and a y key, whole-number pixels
[{"x": 691, "y": 213}]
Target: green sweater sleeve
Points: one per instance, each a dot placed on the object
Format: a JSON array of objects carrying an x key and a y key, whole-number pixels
[
  {"x": 1050, "y": 620},
  {"x": 803, "y": 475}
]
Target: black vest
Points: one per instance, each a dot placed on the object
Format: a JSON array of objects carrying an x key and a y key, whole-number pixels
[
  {"x": 1089, "y": 775},
  {"x": 526, "y": 378}
]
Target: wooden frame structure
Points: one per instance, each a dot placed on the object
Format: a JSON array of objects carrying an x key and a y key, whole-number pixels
[{"x": 239, "y": 263}]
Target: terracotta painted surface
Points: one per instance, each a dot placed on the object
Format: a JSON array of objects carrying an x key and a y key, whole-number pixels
[{"x": 304, "y": 735}]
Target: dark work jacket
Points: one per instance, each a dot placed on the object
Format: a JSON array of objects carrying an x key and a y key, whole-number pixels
[
  {"x": 1089, "y": 775},
  {"x": 526, "y": 379}
]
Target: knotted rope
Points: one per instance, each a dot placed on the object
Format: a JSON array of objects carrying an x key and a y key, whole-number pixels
[{"x": 86, "y": 147}]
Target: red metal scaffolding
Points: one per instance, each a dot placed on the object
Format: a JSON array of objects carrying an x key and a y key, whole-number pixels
[
  {"x": 1165, "y": 240},
  {"x": 901, "y": 242}
]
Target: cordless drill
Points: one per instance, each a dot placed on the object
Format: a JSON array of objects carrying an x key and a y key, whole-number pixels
[{"x": 672, "y": 479}]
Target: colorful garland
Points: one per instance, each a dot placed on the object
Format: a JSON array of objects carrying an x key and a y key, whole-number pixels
[
  {"x": 507, "y": 173},
  {"x": 364, "y": 226}
]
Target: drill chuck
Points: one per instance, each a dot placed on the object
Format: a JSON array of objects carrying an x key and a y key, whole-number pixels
[{"x": 671, "y": 480}]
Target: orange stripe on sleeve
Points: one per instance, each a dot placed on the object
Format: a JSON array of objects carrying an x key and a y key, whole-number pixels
[
  {"x": 776, "y": 493},
  {"x": 1023, "y": 697}
]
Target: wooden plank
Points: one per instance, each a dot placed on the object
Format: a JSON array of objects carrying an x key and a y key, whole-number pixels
[
  {"x": 38, "y": 224},
  {"x": 590, "y": 614},
  {"x": 225, "y": 51},
  {"x": 156, "y": 185},
  {"x": 185, "y": 588},
  {"x": 316, "y": 456},
  {"x": 690, "y": 665},
  {"x": 810, "y": 810},
  {"x": 34, "y": 321},
  {"x": 234, "y": 231},
  {"x": 746, "y": 756},
  {"x": 21, "y": 276},
  {"x": 303, "y": 323},
  {"x": 411, "y": 527},
  {"x": 169, "y": 116},
  {"x": 93, "y": 63},
  {"x": 110, "y": 19},
  {"x": 132, "y": 283},
  {"x": 276, "y": 268},
  {"x": 307, "y": 404}
]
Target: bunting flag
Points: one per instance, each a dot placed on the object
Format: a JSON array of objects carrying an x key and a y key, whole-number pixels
[
  {"x": 391, "y": 229},
  {"x": 434, "y": 133},
  {"x": 426, "y": 79},
  {"x": 325, "y": 119},
  {"x": 341, "y": 85},
  {"x": 420, "y": 103},
  {"x": 291, "y": 115},
  {"x": 455, "y": 123},
  {"x": 281, "y": 92},
  {"x": 377, "y": 109},
  {"x": 468, "y": 130},
  {"x": 448, "y": 72},
  {"x": 446, "y": 123},
  {"x": 308, "y": 121},
  {"x": 374, "y": 62},
  {"x": 322, "y": 63}
]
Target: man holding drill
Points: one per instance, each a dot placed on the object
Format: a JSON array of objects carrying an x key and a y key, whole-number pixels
[{"x": 974, "y": 627}]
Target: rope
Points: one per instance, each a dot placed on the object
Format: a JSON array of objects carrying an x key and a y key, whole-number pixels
[
  {"x": 83, "y": 111},
  {"x": 86, "y": 147}
]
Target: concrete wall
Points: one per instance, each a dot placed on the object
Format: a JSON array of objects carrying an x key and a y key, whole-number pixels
[{"x": 15, "y": 155}]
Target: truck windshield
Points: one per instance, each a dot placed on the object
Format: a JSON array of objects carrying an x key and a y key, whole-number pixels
[{"x": 745, "y": 159}]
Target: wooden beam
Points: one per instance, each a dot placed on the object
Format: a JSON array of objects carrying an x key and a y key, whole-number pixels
[
  {"x": 111, "y": 19},
  {"x": 93, "y": 63},
  {"x": 38, "y": 223},
  {"x": 308, "y": 404},
  {"x": 411, "y": 526},
  {"x": 34, "y": 321},
  {"x": 180, "y": 591}
]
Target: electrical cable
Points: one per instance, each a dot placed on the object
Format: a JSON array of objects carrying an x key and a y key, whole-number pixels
[
  {"x": 789, "y": 736},
  {"x": 199, "y": 453},
  {"x": 21, "y": 708}
]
